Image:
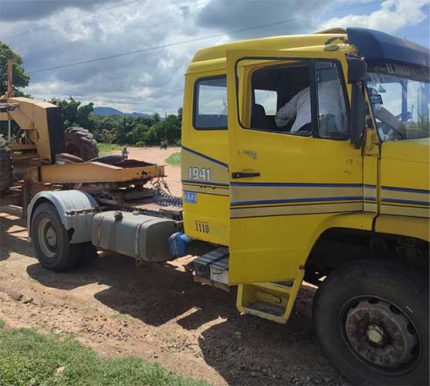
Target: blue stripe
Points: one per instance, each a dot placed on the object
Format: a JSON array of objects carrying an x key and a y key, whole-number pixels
[
  {"x": 425, "y": 203},
  {"x": 369, "y": 186},
  {"x": 369, "y": 198},
  {"x": 297, "y": 184},
  {"x": 205, "y": 157},
  {"x": 313, "y": 199},
  {"x": 395, "y": 189},
  {"x": 203, "y": 183}
]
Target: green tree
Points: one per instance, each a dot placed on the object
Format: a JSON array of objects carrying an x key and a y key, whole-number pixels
[
  {"x": 147, "y": 130},
  {"x": 20, "y": 78},
  {"x": 125, "y": 130},
  {"x": 138, "y": 134},
  {"x": 75, "y": 114},
  {"x": 167, "y": 129},
  {"x": 151, "y": 137},
  {"x": 156, "y": 118},
  {"x": 107, "y": 136},
  {"x": 180, "y": 112},
  {"x": 106, "y": 129}
]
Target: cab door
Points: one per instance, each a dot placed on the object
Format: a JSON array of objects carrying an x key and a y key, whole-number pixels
[{"x": 285, "y": 182}]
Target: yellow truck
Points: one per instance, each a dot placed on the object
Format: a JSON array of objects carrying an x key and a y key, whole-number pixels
[{"x": 304, "y": 157}]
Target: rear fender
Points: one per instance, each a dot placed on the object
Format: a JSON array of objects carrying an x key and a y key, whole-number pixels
[{"x": 76, "y": 210}]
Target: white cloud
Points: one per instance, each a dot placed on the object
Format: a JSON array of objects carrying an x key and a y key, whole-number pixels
[
  {"x": 153, "y": 80},
  {"x": 33, "y": 10},
  {"x": 390, "y": 17}
]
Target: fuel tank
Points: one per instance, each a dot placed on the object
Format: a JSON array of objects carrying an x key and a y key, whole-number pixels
[{"x": 133, "y": 234}]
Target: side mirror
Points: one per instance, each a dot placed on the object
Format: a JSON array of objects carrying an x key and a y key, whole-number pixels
[
  {"x": 357, "y": 115},
  {"x": 357, "y": 69}
]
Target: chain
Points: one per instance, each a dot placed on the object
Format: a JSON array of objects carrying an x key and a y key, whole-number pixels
[{"x": 163, "y": 196}]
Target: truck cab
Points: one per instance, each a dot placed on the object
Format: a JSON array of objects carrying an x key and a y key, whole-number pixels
[
  {"x": 305, "y": 156},
  {"x": 269, "y": 191}
]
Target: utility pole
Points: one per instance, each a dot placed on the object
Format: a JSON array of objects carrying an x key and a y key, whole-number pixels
[{"x": 9, "y": 93}]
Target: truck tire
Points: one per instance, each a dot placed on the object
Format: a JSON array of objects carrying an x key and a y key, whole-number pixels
[
  {"x": 372, "y": 319},
  {"x": 52, "y": 241},
  {"x": 5, "y": 166},
  {"x": 81, "y": 143}
]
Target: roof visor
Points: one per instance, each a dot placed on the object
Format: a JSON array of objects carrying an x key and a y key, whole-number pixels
[{"x": 380, "y": 48}]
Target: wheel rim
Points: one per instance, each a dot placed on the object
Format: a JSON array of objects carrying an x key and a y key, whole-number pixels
[
  {"x": 47, "y": 236},
  {"x": 381, "y": 334}
]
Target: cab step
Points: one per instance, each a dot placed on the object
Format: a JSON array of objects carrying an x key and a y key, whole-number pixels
[
  {"x": 269, "y": 300},
  {"x": 260, "y": 307}
]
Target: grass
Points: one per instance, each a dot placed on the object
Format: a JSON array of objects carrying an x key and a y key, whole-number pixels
[
  {"x": 31, "y": 358},
  {"x": 106, "y": 148},
  {"x": 174, "y": 159}
]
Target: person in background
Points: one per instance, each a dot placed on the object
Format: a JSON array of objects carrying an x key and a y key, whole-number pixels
[{"x": 299, "y": 108}]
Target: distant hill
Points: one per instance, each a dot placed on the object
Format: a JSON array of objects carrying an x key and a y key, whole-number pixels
[
  {"x": 108, "y": 111},
  {"x": 136, "y": 114}
]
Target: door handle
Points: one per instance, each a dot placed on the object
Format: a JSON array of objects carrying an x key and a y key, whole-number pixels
[{"x": 244, "y": 174}]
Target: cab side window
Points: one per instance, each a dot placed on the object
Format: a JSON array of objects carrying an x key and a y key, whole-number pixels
[
  {"x": 210, "y": 103},
  {"x": 278, "y": 93},
  {"x": 331, "y": 102}
]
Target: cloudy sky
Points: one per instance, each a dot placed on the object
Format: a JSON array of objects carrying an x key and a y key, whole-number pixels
[{"x": 145, "y": 45}]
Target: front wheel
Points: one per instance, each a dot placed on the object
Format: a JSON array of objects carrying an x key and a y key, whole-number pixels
[
  {"x": 372, "y": 319},
  {"x": 51, "y": 240}
]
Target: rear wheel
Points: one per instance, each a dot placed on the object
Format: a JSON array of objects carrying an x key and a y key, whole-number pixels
[
  {"x": 51, "y": 240},
  {"x": 372, "y": 320},
  {"x": 5, "y": 166},
  {"x": 81, "y": 143}
]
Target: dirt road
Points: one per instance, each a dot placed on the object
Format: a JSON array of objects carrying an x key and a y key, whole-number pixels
[{"x": 158, "y": 313}]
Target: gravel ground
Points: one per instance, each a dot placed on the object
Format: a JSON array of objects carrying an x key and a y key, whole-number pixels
[{"x": 158, "y": 313}]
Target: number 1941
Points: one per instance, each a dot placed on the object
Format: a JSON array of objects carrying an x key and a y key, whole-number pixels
[{"x": 201, "y": 174}]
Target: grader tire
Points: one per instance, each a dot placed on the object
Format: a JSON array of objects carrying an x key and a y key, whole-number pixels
[
  {"x": 81, "y": 143},
  {"x": 5, "y": 166}
]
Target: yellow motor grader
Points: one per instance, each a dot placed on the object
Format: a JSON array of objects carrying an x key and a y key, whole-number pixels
[{"x": 47, "y": 157}]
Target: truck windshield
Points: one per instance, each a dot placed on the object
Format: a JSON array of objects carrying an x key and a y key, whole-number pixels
[{"x": 400, "y": 104}]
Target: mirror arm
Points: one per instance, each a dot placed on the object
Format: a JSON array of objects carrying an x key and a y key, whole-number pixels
[{"x": 357, "y": 114}]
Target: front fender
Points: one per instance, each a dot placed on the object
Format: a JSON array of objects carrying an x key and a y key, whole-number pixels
[
  {"x": 76, "y": 210},
  {"x": 359, "y": 221},
  {"x": 416, "y": 227}
]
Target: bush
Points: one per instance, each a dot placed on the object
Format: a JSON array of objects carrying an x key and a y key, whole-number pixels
[{"x": 174, "y": 159}]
